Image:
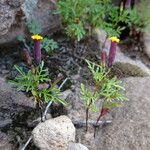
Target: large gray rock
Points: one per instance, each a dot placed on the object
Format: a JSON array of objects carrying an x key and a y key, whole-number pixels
[
  {"x": 130, "y": 124},
  {"x": 14, "y": 14},
  {"x": 146, "y": 40},
  {"x": 12, "y": 103},
  {"x": 54, "y": 134},
  {"x": 130, "y": 67}
]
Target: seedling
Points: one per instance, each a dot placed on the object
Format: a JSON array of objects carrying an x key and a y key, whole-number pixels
[
  {"x": 49, "y": 45},
  {"x": 107, "y": 89},
  {"x": 38, "y": 84}
]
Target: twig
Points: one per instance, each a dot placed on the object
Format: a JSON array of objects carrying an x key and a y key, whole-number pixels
[
  {"x": 81, "y": 123},
  {"x": 63, "y": 84},
  {"x": 24, "y": 147}
]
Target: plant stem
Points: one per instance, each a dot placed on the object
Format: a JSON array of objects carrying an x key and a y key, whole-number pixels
[
  {"x": 39, "y": 108},
  {"x": 87, "y": 117}
]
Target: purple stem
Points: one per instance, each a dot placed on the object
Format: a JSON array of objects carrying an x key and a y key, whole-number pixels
[
  {"x": 37, "y": 51},
  {"x": 112, "y": 53},
  {"x": 128, "y": 4}
]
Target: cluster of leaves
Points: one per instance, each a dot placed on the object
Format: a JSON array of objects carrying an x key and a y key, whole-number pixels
[
  {"x": 107, "y": 89},
  {"x": 38, "y": 84},
  {"x": 49, "y": 45},
  {"x": 79, "y": 22},
  {"x": 34, "y": 27}
]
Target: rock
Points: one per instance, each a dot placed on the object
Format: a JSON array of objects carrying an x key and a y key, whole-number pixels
[
  {"x": 123, "y": 63},
  {"x": 12, "y": 103},
  {"x": 146, "y": 40},
  {"x": 130, "y": 124},
  {"x": 5, "y": 122},
  {"x": 77, "y": 146},
  {"x": 15, "y": 14},
  {"x": 4, "y": 142},
  {"x": 55, "y": 133},
  {"x": 130, "y": 67}
]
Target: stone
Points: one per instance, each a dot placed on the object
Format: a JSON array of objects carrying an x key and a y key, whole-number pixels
[
  {"x": 77, "y": 146},
  {"x": 4, "y": 142},
  {"x": 15, "y": 14},
  {"x": 130, "y": 67},
  {"x": 6, "y": 18},
  {"x": 130, "y": 128},
  {"x": 146, "y": 40},
  {"x": 55, "y": 133},
  {"x": 130, "y": 125},
  {"x": 12, "y": 103}
]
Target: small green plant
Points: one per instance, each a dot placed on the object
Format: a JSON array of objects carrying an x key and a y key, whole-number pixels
[
  {"x": 38, "y": 84},
  {"x": 49, "y": 45},
  {"x": 107, "y": 89},
  {"x": 34, "y": 27}
]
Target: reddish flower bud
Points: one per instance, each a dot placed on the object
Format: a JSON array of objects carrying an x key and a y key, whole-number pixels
[
  {"x": 26, "y": 56},
  {"x": 103, "y": 58},
  {"x": 128, "y": 4}
]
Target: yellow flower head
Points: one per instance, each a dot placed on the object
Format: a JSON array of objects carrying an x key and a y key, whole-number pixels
[
  {"x": 114, "y": 39},
  {"x": 37, "y": 37}
]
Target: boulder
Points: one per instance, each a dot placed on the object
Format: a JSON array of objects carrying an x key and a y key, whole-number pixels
[
  {"x": 14, "y": 15},
  {"x": 146, "y": 40},
  {"x": 130, "y": 67},
  {"x": 55, "y": 133},
  {"x": 12, "y": 103},
  {"x": 131, "y": 123}
]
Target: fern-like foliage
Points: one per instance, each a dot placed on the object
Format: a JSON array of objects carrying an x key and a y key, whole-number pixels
[
  {"x": 106, "y": 89},
  {"x": 30, "y": 81}
]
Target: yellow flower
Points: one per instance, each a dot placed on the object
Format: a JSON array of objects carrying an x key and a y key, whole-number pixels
[
  {"x": 114, "y": 39},
  {"x": 37, "y": 37}
]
